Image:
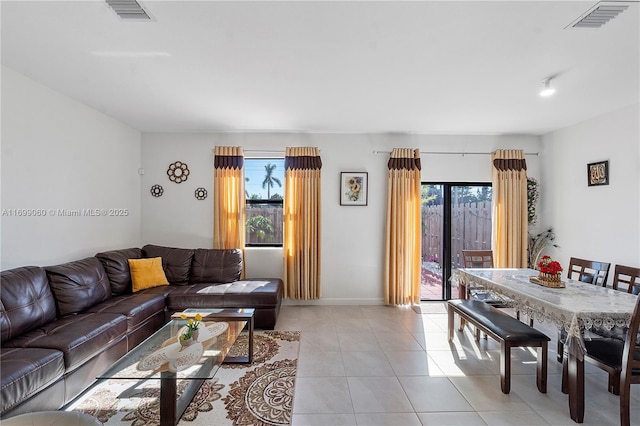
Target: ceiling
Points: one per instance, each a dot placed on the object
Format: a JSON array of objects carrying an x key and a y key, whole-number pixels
[{"x": 447, "y": 67}]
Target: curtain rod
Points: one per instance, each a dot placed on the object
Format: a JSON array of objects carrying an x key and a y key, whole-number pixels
[
  {"x": 454, "y": 153},
  {"x": 268, "y": 151},
  {"x": 275, "y": 151}
]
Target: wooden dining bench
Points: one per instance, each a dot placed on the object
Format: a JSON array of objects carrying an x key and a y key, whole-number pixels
[{"x": 510, "y": 332}]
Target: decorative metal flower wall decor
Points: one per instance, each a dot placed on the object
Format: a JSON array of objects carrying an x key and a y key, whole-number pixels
[
  {"x": 157, "y": 190},
  {"x": 178, "y": 172},
  {"x": 201, "y": 193}
]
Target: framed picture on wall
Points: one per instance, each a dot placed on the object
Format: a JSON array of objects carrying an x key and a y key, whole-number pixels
[
  {"x": 598, "y": 173},
  {"x": 354, "y": 188}
]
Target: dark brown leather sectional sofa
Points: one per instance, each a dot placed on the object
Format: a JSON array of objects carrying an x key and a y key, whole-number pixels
[{"x": 63, "y": 325}]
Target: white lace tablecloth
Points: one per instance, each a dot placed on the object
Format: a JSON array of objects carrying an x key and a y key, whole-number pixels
[{"x": 575, "y": 308}]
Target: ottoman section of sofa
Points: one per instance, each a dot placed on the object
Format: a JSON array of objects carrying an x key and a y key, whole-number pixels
[
  {"x": 264, "y": 295},
  {"x": 28, "y": 371},
  {"x": 145, "y": 314}
]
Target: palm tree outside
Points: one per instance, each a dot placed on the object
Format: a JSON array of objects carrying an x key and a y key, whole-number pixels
[{"x": 270, "y": 180}]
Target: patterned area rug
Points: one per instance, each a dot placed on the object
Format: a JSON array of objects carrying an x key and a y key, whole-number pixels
[{"x": 259, "y": 394}]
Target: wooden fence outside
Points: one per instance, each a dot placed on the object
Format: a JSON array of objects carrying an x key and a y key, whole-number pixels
[
  {"x": 274, "y": 215},
  {"x": 470, "y": 230}
]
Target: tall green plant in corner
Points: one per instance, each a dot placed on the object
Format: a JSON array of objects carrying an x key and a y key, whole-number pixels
[{"x": 537, "y": 243}]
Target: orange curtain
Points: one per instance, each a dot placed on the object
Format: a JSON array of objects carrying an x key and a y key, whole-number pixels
[
  {"x": 301, "y": 246},
  {"x": 509, "y": 229},
  {"x": 228, "y": 198},
  {"x": 402, "y": 251}
]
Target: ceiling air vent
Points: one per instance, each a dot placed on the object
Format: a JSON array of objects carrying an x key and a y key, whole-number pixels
[
  {"x": 599, "y": 15},
  {"x": 129, "y": 10}
]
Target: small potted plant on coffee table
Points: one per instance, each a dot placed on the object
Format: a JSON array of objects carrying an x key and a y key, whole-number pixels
[{"x": 190, "y": 335}]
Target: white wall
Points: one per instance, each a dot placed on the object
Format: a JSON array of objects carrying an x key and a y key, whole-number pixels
[
  {"x": 352, "y": 237},
  {"x": 598, "y": 222},
  {"x": 60, "y": 154}
]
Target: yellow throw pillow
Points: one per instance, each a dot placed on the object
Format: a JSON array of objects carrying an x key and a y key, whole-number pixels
[{"x": 147, "y": 273}]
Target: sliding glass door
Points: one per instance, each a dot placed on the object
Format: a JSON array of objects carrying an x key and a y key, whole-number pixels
[{"x": 455, "y": 217}]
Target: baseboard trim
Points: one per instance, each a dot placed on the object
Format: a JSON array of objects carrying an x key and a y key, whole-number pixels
[{"x": 333, "y": 301}]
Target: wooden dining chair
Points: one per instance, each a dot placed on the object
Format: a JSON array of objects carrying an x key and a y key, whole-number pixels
[
  {"x": 481, "y": 259},
  {"x": 484, "y": 259},
  {"x": 621, "y": 357},
  {"x": 587, "y": 271},
  {"x": 629, "y": 276},
  {"x": 630, "y": 366},
  {"x": 477, "y": 258},
  {"x": 474, "y": 259}
]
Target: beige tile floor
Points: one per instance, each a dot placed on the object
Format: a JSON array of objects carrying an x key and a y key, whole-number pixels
[{"x": 379, "y": 365}]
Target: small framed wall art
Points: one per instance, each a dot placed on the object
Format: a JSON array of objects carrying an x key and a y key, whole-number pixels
[
  {"x": 354, "y": 188},
  {"x": 598, "y": 173}
]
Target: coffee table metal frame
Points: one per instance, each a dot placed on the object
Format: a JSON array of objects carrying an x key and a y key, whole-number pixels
[{"x": 243, "y": 314}]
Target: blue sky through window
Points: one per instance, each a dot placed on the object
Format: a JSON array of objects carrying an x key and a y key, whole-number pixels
[{"x": 254, "y": 169}]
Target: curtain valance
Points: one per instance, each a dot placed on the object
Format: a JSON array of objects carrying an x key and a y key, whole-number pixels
[
  {"x": 404, "y": 158},
  {"x": 515, "y": 164},
  {"x": 303, "y": 158},
  {"x": 232, "y": 160}
]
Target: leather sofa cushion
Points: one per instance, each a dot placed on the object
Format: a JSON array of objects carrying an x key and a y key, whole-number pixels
[
  {"x": 116, "y": 265},
  {"x": 79, "y": 337},
  {"x": 78, "y": 285},
  {"x": 27, "y": 301},
  {"x": 137, "y": 308},
  {"x": 176, "y": 262},
  {"x": 216, "y": 266},
  {"x": 163, "y": 290},
  {"x": 240, "y": 294},
  {"x": 25, "y": 372}
]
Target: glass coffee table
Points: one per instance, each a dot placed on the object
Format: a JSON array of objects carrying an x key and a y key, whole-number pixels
[
  {"x": 161, "y": 357},
  {"x": 242, "y": 314}
]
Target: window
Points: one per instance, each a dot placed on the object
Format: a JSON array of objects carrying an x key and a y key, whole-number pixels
[{"x": 264, "y": 188}]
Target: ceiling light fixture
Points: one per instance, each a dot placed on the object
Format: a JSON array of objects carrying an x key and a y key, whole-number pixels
[{"x": 547, "y": 90}]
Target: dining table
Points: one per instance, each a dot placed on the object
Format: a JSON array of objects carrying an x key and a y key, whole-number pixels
[{"x": 575, "y": 308}]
